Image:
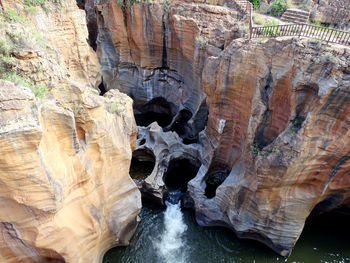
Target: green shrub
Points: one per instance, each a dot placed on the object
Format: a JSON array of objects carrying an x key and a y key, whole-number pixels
[
  {"x": 41, "y": 3},
  {"x": 256, "y": 3},
  {"x": 278, "y": 7},
  {"x": 7, "y": 61},
  {"x": 255, "y": 148},
  {"x": 201, "y": 41}
]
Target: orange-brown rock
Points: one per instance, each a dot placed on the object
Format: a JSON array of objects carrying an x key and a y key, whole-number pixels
[
  {"x": 275, "y": 146},
  {"x": 62, "y": 33},
  {"x": 284, "y": 141},
  {"x": 66, "y": 193},
  {"x": 65, "y": 190}
]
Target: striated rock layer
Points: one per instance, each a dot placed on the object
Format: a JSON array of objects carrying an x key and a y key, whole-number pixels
[
  {"x": 285, "y": 140},
  {"x": 65, "y": 190},
  {"x": 275, "y": 146},
  {"x": 66, "y": 194}
]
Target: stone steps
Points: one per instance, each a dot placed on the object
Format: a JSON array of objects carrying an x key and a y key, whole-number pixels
[
  {"x": 295, "y": 16},
  {"x": 297, "y": 2}
]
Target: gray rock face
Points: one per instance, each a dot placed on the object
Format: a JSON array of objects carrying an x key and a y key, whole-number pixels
[
  {"x": 335, "y": 12},
  {"x": 168, "y": 151}
]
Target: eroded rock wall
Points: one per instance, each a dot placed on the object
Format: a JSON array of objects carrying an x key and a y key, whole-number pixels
[
  {"x": 65, "y": 186},
  {"x": 284, "y": 107},
  {"x": 157, "y": 50},
  {"x": 65, "y": 190},
  {"x": 275, "y": 144}
]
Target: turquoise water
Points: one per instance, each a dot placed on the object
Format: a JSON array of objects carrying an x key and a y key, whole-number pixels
[{"x": 325, "y": 239}]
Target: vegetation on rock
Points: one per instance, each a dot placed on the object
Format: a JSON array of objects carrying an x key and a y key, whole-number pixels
[
  {"x": 278, "y": 7},
  {"x": 16, "y": 37}
]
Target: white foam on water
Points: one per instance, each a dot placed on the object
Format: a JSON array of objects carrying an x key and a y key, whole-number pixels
[{"x": 171, "y": 247}]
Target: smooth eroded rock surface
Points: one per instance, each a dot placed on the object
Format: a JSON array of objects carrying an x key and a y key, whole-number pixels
[
  {"x": 65, "y": 186},
  {"x": 268, "y": 118},
  {"x": 65, "y": 190}
]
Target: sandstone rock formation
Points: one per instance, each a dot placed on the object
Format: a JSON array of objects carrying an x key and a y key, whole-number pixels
[
  {"x": 335, "y": 12},
  {"x": 65, "y": 190},
  {"x": 284, "y": 142},
  {"x": 275, "y": 144}
]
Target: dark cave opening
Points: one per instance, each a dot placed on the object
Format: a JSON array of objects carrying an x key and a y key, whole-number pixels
[
  {"x": 306, "y": 95},
  {"x": 158, "y": 109},
  {"x": 327, "y": 205},
  {"x": 179, "y": 173},
  {"x": 142, "y": 164},
  {"x": 91, "y": 22},
  {"x": 81, "y": 4},
  {"x": 200, "y": 119},
  {"x": 330, "y": 218},
  {"x": 179, "y": 126},
  {"x": 102, "y": 89},
  {"x": 182, "y": 128},
  {"x": 215, "y": 177}
]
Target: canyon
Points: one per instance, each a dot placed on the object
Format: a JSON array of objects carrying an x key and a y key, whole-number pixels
[{"x": 254, "y": 133}]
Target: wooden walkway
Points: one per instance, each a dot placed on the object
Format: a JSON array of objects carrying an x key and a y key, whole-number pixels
[{"x": 328, "y": 35}]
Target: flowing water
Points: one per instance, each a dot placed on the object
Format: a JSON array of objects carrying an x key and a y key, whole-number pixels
[{"x": 172, "y": 235}]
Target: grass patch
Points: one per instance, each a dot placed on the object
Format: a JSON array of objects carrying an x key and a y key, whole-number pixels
[
  {"x": 11, "y": 15},
  {"x": 258, "y": 19},
  {"x": 271, "y": 31},
  {"x": 13, "y": 39},
  {"x": 38, "y": 90}
]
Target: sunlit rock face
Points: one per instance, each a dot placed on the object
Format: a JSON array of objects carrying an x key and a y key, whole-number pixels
[
  {"x": 65, "y": 190},
  {"x": 66, "y": 194},
  {"x": 271, "y": 115}
]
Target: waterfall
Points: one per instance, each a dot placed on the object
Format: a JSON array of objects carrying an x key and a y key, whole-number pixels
[{"x": 171, "y": 246}]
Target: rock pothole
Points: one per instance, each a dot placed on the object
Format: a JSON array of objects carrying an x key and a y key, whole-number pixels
[{"x": 179, "y": 173}]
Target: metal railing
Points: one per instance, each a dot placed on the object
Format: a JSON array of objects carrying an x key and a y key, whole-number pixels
[{"x": 328, "y": 35}]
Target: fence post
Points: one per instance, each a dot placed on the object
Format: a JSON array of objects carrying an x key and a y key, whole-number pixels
[
  {"x": 301, "y": 30},
  {"x": 249, "y": 11},
  {"x": 330, "y": 35}
]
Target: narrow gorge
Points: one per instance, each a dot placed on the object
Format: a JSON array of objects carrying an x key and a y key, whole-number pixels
[{"x": 103, "y": 102}]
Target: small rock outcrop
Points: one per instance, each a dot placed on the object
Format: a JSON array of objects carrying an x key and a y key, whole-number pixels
[{"x": 334, "y": 12}]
